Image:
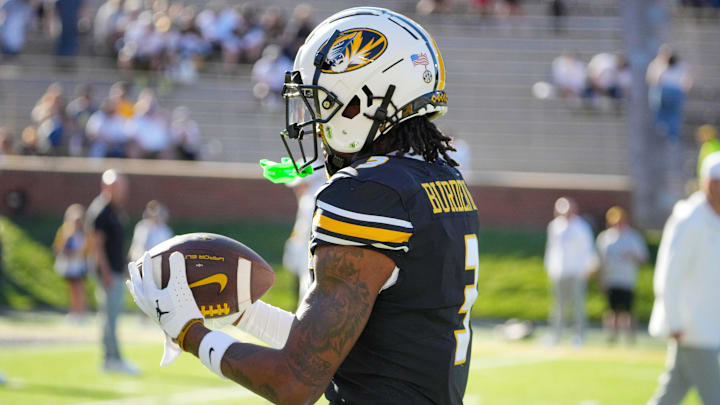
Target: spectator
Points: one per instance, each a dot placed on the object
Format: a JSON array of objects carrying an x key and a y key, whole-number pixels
[
  {"x": 686, "y": 298},
  {"x": 603, "y": 75},
  {"x": 249, "y": 38},
  {"x": 15, "y": 16},
  {"x": 49, "y": 116},
  {"x": 295, "y": 254},
  {"x": 268, "y": 74},
  {"x": 120, "y": 99},
  {"x": 510, "y": 8},
  {"x": 107, "y": 132},
  {"x": 707, "y": 138},
  {"x": 569, "y": 75},
  {"x": 484, "y": 7},
  {"x": 427, "y": 7},
  {"x": 569, "y": 260},
  {"x": 70, "y": 250},
  {"x": 151, "y": 230},
  {"x": 463, "y": 156},
  {"x": 273, "y": 23},
  {"x": 297, "y": 29},
  {"x": 30, "y": 143},
  {"x": 140, "y": 45},
  {"x": 185, "y": 134},
  {"x": 673, "y": 84},
  {"x": 557, "y": 10},
  {"x": 621, "y": 250},
  {"x": 69, "y": 13},
  {"x": 6, "y": 142},
  {"x": 150, "y": 128},
  {"x": 658, "y": 65},
  {"x": 106, "y": 233},
  {"x": 79, "y": 112},
  {"x": 106, "y": 26}
]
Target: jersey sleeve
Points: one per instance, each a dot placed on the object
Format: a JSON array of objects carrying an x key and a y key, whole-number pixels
[{"x": 366, "y": 214}]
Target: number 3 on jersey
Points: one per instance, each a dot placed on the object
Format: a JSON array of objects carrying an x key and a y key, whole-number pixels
[{"x": 462, "y": 336}]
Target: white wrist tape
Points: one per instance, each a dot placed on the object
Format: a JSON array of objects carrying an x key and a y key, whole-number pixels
[
  {"x": 267, "y": 323},
  {"x": 212, "y": 349}
]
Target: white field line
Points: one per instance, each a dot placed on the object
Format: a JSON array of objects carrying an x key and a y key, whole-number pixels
[{"x": 189, "y": 397}]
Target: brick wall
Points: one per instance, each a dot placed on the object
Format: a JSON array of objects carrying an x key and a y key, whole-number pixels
[{"x": 217, "y": 192}]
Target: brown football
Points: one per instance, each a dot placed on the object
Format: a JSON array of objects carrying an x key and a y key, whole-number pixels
[{"x": 215, "y": 266}]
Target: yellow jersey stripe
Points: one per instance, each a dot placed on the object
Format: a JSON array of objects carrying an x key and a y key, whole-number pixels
[
  {"x": 441, "y": 63},
  {"x": 360, "y": 231}
]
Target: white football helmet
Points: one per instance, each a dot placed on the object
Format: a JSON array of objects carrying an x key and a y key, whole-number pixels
[{"x": 360, "y": 72}]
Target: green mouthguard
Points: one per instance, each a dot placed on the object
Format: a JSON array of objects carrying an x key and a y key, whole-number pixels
[{"x": 284, "y": 171}]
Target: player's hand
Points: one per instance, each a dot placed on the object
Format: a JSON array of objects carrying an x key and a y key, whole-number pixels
[
  {"x": 676, "y": 336},
  {"x": 173, "y": 307}
]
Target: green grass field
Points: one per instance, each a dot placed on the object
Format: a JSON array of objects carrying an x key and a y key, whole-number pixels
[
  {"x": 512, "y": 281},
  {"x": 51, "y": 362}
]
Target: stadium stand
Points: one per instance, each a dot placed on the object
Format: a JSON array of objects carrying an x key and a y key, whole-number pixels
[{"x": 492, "y": 65}]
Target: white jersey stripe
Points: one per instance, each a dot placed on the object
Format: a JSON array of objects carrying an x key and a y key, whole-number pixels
[
  {"x": 384, "y": 246},
  {"x": 364, "y": 217},
  {"x": 337, "y": 241},
  {"x": 345, "y": 242}
]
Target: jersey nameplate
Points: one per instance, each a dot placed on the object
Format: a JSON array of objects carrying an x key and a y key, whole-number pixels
[{"x": 449, "y": 196}]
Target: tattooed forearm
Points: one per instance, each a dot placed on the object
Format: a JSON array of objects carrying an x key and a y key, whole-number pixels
[
  {"x": 326, "y": 334},
  {"x": 331, "y": 320}
]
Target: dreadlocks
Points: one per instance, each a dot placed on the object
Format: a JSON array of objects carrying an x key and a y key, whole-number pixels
[{"x": 419, "y": 135}]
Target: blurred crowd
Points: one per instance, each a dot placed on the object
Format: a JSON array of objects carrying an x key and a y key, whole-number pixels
[
  {"x": 178, "y": 39},
  {"x": 117, "y": 127},
  {"x": 501, "y": 8},
  {"x": 608, "y": 76},
  {"x": 604, "y": 76}
]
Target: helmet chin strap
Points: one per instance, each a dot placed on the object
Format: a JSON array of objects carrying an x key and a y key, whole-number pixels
[{"x": 335, "y": 162}]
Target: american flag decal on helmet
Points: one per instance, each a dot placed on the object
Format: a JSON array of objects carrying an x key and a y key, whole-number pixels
[{"x": 419, "y": 59}]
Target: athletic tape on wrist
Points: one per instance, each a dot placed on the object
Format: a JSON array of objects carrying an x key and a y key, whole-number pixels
[
  {"x": 267, "y": 323},
  {"x": 184, "y": 331},
  {"x": 212, "y": 349}
]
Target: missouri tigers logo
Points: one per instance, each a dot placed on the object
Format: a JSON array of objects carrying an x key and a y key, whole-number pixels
[{"x": 355, "y": 48}]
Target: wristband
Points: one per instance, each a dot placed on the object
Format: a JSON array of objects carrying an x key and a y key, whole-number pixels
[
  {"x": 267, "y": 323},
  {"x": 212, "y": 349},
  {"x": 184, "y": 331}
]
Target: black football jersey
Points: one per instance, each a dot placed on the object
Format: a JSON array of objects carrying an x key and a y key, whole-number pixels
[{"x": 415, "y": 348}]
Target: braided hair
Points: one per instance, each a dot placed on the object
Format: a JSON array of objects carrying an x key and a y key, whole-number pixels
[{"x": 416, "y": 136}]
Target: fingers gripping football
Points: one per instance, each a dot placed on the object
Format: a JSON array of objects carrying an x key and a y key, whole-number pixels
[{"x": 171, "y": 307}]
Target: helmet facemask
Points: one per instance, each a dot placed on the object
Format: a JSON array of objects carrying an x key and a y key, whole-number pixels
[{"x": 304, "y": 106}]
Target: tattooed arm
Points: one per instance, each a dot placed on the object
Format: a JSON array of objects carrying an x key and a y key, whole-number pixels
[{"x": 326, "y": 326}]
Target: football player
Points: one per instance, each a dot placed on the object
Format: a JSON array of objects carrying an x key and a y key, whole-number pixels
[{"x": 394, "y": 245}]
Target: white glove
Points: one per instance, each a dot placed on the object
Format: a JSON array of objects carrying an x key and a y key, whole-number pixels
[{"x": 172, "y": 307}]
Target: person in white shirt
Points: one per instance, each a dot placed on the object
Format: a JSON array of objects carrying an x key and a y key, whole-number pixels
[
  {"x": 151, "y": 230},
  {"x": 569, "y": 260},
  {"x": 569, "y": 75},
  {"x": 621, "y": 250},
  {"x": 150, "y": 128},
  {"x": 687, "y": 303},
  {"x": 295, "y": 252}
]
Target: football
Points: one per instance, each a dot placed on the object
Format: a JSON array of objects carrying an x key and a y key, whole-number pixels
[{"x": 218, "y": 269}]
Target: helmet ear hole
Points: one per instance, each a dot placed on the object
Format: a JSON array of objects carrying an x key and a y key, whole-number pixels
[{"x": 352, "y": 109}]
